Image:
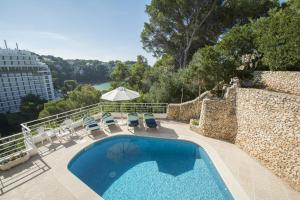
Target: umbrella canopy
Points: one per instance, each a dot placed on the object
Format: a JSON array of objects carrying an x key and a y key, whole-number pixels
[{"x": 120, "y": 94}]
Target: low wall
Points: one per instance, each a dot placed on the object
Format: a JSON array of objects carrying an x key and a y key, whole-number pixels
[
  {"x": 269, "y": 130},
  {"x": 281, "y": 81},
  {"x": 218, "y": 118},
  {"x": 187, "y": 110}
]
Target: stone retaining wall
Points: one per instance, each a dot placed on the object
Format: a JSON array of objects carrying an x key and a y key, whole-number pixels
[
  {"x": 281, "y": 81},
  {"x": 218, "y": 118},
  {"x": 187, "y": 110},
  {"x": 269, "y": 130},
  {"x": 263, "y": 123}
]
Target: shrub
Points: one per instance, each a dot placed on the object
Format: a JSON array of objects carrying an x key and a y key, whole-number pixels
[{"x": 278, "y": 38}]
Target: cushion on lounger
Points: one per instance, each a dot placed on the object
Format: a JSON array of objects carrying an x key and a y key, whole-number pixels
[
  {"x": 133, "y": 123},
  {"x": 151, "y": 123},
  {"x": 109, "y": 121},
  {"x": 92, "y": 125}
]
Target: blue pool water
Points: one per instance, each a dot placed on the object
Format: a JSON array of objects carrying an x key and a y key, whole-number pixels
[{"x": 134, "y": 167}]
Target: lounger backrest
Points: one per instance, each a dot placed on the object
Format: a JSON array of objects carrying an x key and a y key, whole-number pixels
[
  {"x": 133, "y": 114},
  {"x": 105, "y": 115},
  {"x": 89, "y": 120},
  {"x": 149, "y": 116}
]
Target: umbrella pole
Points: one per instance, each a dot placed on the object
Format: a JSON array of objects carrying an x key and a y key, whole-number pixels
[{"x": 122, "y": 117}]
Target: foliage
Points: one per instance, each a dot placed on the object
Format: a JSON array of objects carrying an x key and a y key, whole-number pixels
[
  {"x": 82, "y": 96},
  {"x": 177, "y": 28},
  {"x": 82, "y": 71},
  {"x": 278, "y": 37},
  {"x": 269, "y": 42},
  {"x": 240, "y": 11},
  {"x": 209, "y": 67},
  {"x": 120, "y": 74},
  {"x": 91, "y": 71},
  {"x": 30, "y": 108},
  {"x": 180, "y": 28},
  {"x": 69, "y": 85},
  {"x": 195, "y": 122},
  {"x": 236, "y": 43},
  {"x": 137, "y": 75},
  {"x": 167, "y": 85},
  {"x": 60, "y": 69}
]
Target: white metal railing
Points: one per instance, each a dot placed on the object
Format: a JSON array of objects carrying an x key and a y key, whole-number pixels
[
  {"x": 23, "y": 141},
  {"x": 54, "y": 121},
  {"x": 11, "y": 145}
]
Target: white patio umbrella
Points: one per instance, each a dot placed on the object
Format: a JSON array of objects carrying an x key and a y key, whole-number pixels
[{"x": 120, "y": 94}]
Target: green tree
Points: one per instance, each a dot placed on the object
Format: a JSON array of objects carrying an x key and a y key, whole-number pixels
[
  {"x": 236, "y": 43},
  {"x": 278, "y": 37},
  {"x": 137, "y": 75},
  {"x": 166, "y": 85},
  {"x": 10, "y": 123},
  {"x": 70, "y": 85},
  {"x": 120, "y": 74},
  {"x": 83, "y": 95},
  {"x": 238, "y": 12},
  {"x": 177, "y": 28},
  {"x": 181, "y": 27},
  {"x": 209, "y": 67},
  {"x": 31, "y": 105}
]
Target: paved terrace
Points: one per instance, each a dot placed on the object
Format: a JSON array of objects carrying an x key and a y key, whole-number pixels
[{"x": 45, "y": 176}]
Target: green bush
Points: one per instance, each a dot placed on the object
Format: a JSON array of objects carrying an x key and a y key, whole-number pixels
[
  {"x": 278, "y": 37},
  {"x": 195, "y": 122}
]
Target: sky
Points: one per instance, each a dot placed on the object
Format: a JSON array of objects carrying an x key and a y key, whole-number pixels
[{"x": 83, "y": 29}]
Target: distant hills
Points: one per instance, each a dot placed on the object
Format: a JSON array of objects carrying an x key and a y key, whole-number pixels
[{"x": 83, "y": 71}]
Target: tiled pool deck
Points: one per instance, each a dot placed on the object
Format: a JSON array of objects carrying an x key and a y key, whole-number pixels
[{"x": 45, "y": 176}]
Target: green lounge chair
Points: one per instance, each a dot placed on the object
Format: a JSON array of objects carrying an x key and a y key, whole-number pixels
[
  {"x": 132, "y": 120},
  {"x": 149, "y": 121},
  {"x": 107, "y": 120},
  {"x": 90, "y": 124}
]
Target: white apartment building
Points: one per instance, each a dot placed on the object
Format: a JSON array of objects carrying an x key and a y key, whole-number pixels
[{"x": 21, "y": 73}]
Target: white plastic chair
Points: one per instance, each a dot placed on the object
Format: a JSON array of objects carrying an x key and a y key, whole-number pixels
[
  {"x": 66, "y": 129},
  {"x": 45, "y": 135}
]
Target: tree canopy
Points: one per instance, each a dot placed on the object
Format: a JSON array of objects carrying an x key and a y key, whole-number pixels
[
  {"x": 179, "y": 28},
  {"x": 278, "y": 37},
  {"x": 82, "y": 96},
  {"x": 69, "y": 85},
  {"x": 30, "y": 108}
]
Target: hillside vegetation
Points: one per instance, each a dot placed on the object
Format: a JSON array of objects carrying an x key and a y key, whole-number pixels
[
  {"x": 203, "y": 44},
  {"x": 82, "y": 71}
]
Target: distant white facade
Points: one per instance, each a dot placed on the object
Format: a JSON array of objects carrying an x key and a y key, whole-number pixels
[{"x": 21, "y": 73}]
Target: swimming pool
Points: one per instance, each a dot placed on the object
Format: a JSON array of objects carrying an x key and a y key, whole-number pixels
[{"x": 135, "y": 167}]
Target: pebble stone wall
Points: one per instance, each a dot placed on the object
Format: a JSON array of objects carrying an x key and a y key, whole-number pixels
[
  {"x": 280, "y": 81},
  {"x": 187, "y": 110},
  {"x": 265, "y": 123},
  {"x": 218, "y": 117},
  {"x": 269, "y": 130}
]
